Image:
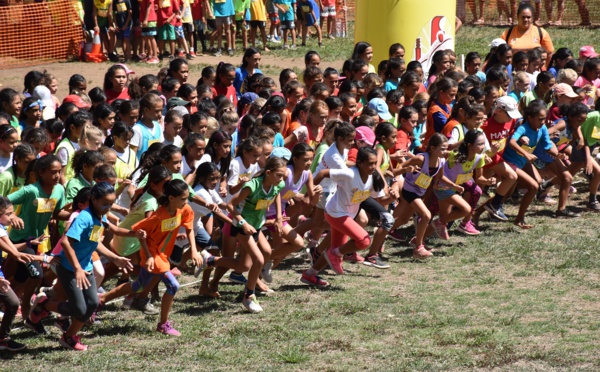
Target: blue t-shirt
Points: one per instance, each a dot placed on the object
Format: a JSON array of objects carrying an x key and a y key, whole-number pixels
[
  {"x": 289, "y": 15},
  {"x": 391, "y": 85},
  {"x": 278, "y": 142},
  {"x": 86, "y": 231},
  {"x": 416, "y": 142},
  {"x": 539, "y": 138},
  {"x": 223, "y": 9},
  {"x": 240, "y": 75}
]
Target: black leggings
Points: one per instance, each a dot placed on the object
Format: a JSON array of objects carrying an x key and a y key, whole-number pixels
[
  {"x": 81, "y": 303},
  {"x": 378, "y": 212},
  {"x": 11, "y": 304}
]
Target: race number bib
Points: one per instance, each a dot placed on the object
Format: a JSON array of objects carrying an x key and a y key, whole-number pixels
[
  {"x": 596, "y": 133},
  {"x": 45, "y": 205},
  {"x": 263, "y": 204},
  {"x": 97, "y": 233},
  {"x": 170, "y": 224},
  {"x": 423, "y": 181},
  {"x": 163, "y": 4},
  {"x": 529, "y": 149},
  {"x": 464, "y": 178},
  {"x": 563, "y": 141},
  {"x": 360, "y": 196},
  {"x": 289, "y": 194},
  {"x": 501, "y": 144},
  {"x": 121, "y": 7}
]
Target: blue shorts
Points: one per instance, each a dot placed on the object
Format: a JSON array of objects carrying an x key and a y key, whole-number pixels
[
  {"x": 179, "y": 32},
  {"x": 121, "y": 35},
  {"x": 150, "y": 30},
  {"x": 444, "y": 194},
  {"x": 145, "y": 279}
]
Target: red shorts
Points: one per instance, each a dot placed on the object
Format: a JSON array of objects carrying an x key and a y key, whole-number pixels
[{"x": 274, "y": 17}]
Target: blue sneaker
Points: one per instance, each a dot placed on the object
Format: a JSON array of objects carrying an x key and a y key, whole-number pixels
[
  {"x": 496, "y": 213},
  {"x": 237, "y": 278}
]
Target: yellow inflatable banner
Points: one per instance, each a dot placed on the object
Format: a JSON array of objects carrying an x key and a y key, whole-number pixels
[{"x": 421, "y": 26}]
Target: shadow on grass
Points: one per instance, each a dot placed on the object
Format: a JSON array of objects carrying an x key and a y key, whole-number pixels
[
  {"x": 32, "y": 351},
  {"x": 113, "y": 329},
  {"x": 296, "y": 287}
]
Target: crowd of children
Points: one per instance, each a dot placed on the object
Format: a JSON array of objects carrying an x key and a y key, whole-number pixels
[
  {"x": 154, "y": 178},
  {"x": 149, "y": 30}
]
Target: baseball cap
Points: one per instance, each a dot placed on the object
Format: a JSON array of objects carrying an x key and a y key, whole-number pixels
[
  {"x": 379, "y": 105},
  {"x": 563, "y": 89},
  {"x": 281, "y": 152},
  {"x": 587, "y": 51},
  {"x": 497, "y": 42},
  {"x": 176, "y": 101},
  {"x": 247, "y": 98},
  {"x": 509, "y": 105},
  {"x": 128, "y": 71},
  {"x": 77, "y": 101},
  {"x": 365, "y": 134}
]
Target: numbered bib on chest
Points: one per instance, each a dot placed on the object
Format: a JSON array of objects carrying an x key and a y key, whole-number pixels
[
  {"x": 170, "y": 224},
  {"x": 97, "y": 233},
  {"x": 163, "y": 4},
  {"x": 596, "y": 133},
  {"x": 501, "y": 144},
  {"x": 220, "y": 1},
  {"x": 562, "y": 141},
  {"x": 464, "y": 178},
  {"x": 121, "y": 7},
  {"x": 289, "y": 194},
  {"x": 529, "y": 149},
  {"x": 360, "y": 196},
  {"x": 263, "y": 204},
  {"x": 243, "y": 175},
  {"x": 45, "y": 205},
  {"x": 423, "y": 181}
]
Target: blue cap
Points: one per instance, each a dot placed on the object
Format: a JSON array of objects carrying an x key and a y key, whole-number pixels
[
  {"x": 281, "y": 152},
  {"x": 379, "y": 105},
  {"x": 247, "y": 98}
]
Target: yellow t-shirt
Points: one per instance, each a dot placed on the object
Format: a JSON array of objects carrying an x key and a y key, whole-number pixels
[
  {"x": 102, "y": 7},
  {"x": 258, "y": 12}
]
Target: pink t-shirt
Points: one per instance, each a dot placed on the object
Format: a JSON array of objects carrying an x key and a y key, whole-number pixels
[
  {"x": 58, "y": 247},
  {"x": 591, "y": 96},
  {"x": 328, "y": 2}
]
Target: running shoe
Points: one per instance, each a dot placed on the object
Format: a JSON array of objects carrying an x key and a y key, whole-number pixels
[
  {"x": 267, "y": 273},
  {"x": 251, "y": 304},
  {"x": 62, "y": 323},
  {"x": 9, "y": 344},
  {"x": 468, "y": 229},
  {"x": 36, "y": 327},
  {"x": 334, "y": 261},
  {"x": 73, "y": 343},
  {"x": 421, "y": 252},
  {"x": 237, "y": 278},
  {"x": 353, "y": 257},
  {"x": 496, "y": 213},
  {"x": 566, "y": 213},
  {"x": 37, "y": 310},
  {"x": 594, "y": 206},
  {"x": 375, "y": 261},
  {"x": 144, "y": 305},
  {"x": 166, "y": 328},
  {"x": 396, "y": 235},
  {"x": 313, "y": 280},
  {"x": 441, "y": 229}
]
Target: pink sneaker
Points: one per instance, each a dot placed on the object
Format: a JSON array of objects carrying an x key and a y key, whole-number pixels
[
  {"x": 468, "y": 229},
  {"x": 334, "y": 261},
  {"x": 421, "y": 252},
  {"x": 440, "y": 229},
  {"x": 176, "y": 272},
  {"x": 38, "y": 312},
  {"x": 413, "y": 244},
  {"x": 313, "y": 280},
  {"x": 353, "y": 258},
  {"x": 73, "y": 343},
  {"x": 167, "y": 329}
]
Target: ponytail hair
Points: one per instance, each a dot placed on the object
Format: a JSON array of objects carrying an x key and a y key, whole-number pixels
[
  {"x": 172, "y": 188},
  {"x": 436, "y": 140},
  {"x": 441, "y": 85},
  {"x": 142, "y": 85},
  {"x": 361, "y": 157},
  {"x": 89, "y": 158},
  {"x": 156, "y": 175},
  {"x": 463, "y": 150}
]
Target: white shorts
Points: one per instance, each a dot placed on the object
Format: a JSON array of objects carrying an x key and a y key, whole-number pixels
[{"x": 328, "y": 11}]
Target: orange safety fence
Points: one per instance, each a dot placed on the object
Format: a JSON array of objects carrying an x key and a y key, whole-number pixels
[{"x": 39, "y": 33}]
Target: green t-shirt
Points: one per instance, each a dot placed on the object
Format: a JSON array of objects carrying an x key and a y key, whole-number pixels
[
  {"x": 318, "y": 156},
  {"x": 9, "y": 182},
  {"x": 591, "y": 128},
  {"x": 14, "y": 121},
  {"x": 126, "y": 246},
  {"x": 74, "y": 185},
  {"x": 174, "y": 176},
  {"x": 36, "y": 209},
  {"x": 256, "y": 204}
]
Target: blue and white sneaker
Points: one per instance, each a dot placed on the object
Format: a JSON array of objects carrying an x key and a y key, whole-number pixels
[
  {"x": 496, "y": 213},
  {"x": 237, "y": 278}
]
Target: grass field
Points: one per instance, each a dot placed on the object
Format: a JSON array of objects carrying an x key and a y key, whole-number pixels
[{"x": 506, "y": 300}]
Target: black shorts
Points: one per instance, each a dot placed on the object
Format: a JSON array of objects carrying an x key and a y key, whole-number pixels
[
  {"x": 258, "y": 24},
  {"x": 188, "y": 28},
  {"x": 409, "y": 196},
  {"x": 236, "y": 230},
  {"x": 578, "y": 156},
  {"x": 211, "y": 24}
]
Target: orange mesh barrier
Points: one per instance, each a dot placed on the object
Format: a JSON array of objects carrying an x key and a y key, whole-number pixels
[{"x": 39, "y": 33}]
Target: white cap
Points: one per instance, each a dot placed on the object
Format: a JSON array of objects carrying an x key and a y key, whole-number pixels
[
  {"x": 509, "y": 105},
  {"x": 497, "y": 42}
]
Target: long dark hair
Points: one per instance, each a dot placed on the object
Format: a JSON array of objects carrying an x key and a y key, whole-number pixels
[
  {"x": 204, "y": 170},
  {"x": 172, "y": 188},
  {"x": 218, "y": 137},
  {"x": 361, "y": 157},
  {"x": 247, "y": 54},
  {"x": 109, "y": 75},
  {"x": 155, "y": 176},
  {"x": 469, "y": 139}
]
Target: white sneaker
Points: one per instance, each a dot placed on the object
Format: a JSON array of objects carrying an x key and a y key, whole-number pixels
[
  {"x": 252, "y": 305},
  {"x": 267, "y": 273}
]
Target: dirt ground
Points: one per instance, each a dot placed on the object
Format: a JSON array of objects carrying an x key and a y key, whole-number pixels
[{"x": 94, "y": 72}]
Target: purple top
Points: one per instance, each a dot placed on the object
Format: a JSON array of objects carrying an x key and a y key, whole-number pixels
[
  {"x": 410, "y": 179},
  {"x": 290, "y": 189},
  {"x": 459, "y": 168}
]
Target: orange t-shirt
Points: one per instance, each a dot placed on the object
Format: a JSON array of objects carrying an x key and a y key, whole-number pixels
[
  {"x": 161, "y": 233},
  {"x": 286, "y": 123},
  {"x": 291, "y": 128},
  {"x": 529, "y": 39},
  {"x": 450, "y": 124}
]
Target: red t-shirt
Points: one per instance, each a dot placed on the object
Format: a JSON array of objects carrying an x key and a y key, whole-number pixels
[
  {"x": 403, "y": 142},
  {"x": 111, "y": 95},
  {"x": 197, "y": 9},
  {"x": 553, "y": 115},
  {"x": 166, "y": 8},
  {"x": 498, "y": 132},
  {"x": 176, "y": 21},
  {"x": 352, "y": 153},
  {"x": 143, "y": 6},
  {"x": 229, "y": 92}
]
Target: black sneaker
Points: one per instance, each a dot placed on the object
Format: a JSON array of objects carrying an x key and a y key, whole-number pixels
[
  {"x": 375, "y": 261},
  {"x": 63, "y": 324},
  {"x": 496, "y": 213},
  {"x": 594, "y": 206},
  {"x": 36, "y": 327},
  {"x": 566, "y": 213},
  {"x": 11, "y": 345}
]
